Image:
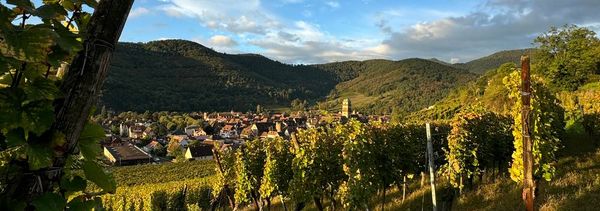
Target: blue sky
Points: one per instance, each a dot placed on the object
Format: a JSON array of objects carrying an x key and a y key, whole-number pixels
[{"x": 310, "y": 31}]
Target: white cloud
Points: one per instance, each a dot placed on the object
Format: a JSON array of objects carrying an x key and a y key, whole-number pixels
[
  {"x": 138, "y": 12},
  {"x": 220, "y": 43},
  {"x": 496, "y": 25},
  {"x": 333, "y": 4},
  {"x": 166, "y": 38},
  {"x": 223, "y": 41},
  {"x": 277, "y": 38},
  {"x": 306, "y": 43},
  {"x": 292, "y": 1},
  {"x": 231, "y": 15}
]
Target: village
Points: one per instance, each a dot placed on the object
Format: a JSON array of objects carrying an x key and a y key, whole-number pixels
[{"x": 134, "y": 141}]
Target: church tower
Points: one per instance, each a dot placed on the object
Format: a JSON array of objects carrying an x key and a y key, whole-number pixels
[{"x": 346, "y": 108}]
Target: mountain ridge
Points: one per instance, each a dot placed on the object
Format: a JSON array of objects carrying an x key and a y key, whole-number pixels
[{"x": 181, "y": 75}]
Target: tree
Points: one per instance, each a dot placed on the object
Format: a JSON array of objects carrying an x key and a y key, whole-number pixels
[
  {"x": 44, "y": 112},
  {"x": 174, "y": 148},
  {"x": 259, "y": 109},
  {"x": 298, "y": 105},
  {"x": 568, "y": 55}
]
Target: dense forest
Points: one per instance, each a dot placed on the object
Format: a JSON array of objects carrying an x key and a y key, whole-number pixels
[
  {"x": 487, "y": 63},
  {"x": 179, "y": 75},
  {"x": 406, "y": 85}
]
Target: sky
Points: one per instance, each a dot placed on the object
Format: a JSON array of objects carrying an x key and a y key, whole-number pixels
[{"x": 319, "y": 31}]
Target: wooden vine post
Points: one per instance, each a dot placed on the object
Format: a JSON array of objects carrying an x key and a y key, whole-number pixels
[
  {"x": 528, "y": 183},
  {"x": 431, "y": 167}
]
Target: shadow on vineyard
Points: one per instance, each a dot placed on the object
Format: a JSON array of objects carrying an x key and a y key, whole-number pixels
[{"x": 576, "y": 187}]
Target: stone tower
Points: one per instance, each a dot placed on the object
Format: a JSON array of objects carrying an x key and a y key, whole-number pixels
[{"x": 346, "y": 108}]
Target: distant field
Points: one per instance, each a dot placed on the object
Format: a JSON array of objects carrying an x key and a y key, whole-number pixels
[
  {"x": 165, "y": 172},
  {"x": 138, "y": 184}
]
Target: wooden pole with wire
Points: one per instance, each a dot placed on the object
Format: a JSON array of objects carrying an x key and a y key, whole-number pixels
[{"x": 528, "y": 183}]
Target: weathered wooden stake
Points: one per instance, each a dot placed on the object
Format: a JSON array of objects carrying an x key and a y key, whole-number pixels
[
  {"x": 431, "y": 167},
  {"x": 528, "y": 183}
]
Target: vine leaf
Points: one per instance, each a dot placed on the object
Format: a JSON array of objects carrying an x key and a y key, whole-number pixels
[
  {"x": 88, "y": 141},
  {"x": 91, "y": 3},
  {"x": 15, "y": 137},
  {"x": 93, "y": 172},
  {"x": 30, "y": 45},
  {"x": 80, "y": 203},
  {"x": 77, "y": 183},
  {"x": 50, "y": 202},
  {"x": 25, "y": 4},
  {"x": 40, "y": 89},
  {"x": 39, "y": 156},
  {"x": 67, "y": 40},
  {"x": 37, "y": 118},
  {"x": 50, "y": 11}
]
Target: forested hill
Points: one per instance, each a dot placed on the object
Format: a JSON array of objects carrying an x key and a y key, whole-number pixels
[
  {"x": 377, "y": 86},
  {"x": 178, "y": 75},
  {"x": 493, "y": 61}
]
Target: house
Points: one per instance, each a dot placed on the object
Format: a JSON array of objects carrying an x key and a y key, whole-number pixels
[
  {"x": 247, "y": 133},
  {"x": 178, "y": 137},
  {"x": 175, "y": 145},
  {"x": 136, "y": 131},
  {"x": 194, "y": 130},
  {"x": 260, "y": 127},
  {"x": 152, "y": 146},
  {"x": 199, "y": 152},
  {"x": 148, "y": 133},
  {"x": 126, "y": 154},
  {"x": 229, "y": 131},
  {"x": 273, "y": 134},
  {"x": 201, "y": 138}
]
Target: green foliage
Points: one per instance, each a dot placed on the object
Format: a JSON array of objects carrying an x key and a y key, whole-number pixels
[
  {"x": 160, "y": 200},
  {"x": 277, "y": 169},
  {"x": 477, "y": 141},
  {"x": 487, "y": 91},
  {"x": 178, "y": 75},
  {"x": 31, "y": 54},
  {"x": 225, "y": 179},
  {"x": 567, "y": 56},
  {"x": 408, "y": 85},
  {"x": 177, "y": 122},
  {"x": 495, "y": 60},
  {"x": 50, "y": 201},
  {"x": 145, "y": 186},
  {"x": 317, "y": 164},
  {"x": 140, "y": 197},
  {"x": 249, "y": 163},
  {"x": 360, "y": 164},
  {"x": 298, "y": 105},
  {"x": 547, "y": 127},
  {"x": 95, "y": 173}
]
